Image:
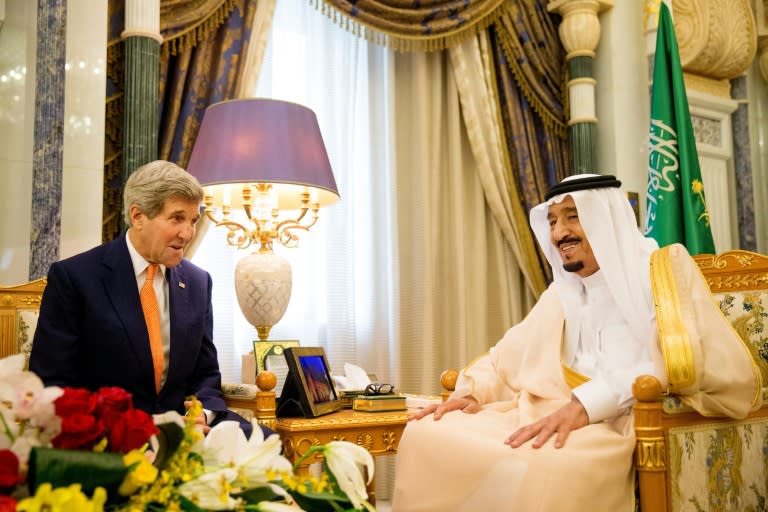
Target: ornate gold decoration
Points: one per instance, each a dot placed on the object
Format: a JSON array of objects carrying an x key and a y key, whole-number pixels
[
  {"x": 365, "y": 440},
  {"x": 649, "y": 455},
  {"x": 333, "y": 421},
  {"x": 734, "y": 270},
  {"x": 390, "y": 440},
  {"x": 6, "y": 300},
  {"x": 717, "y": 39},
  {"x": 303, "y": 444}
]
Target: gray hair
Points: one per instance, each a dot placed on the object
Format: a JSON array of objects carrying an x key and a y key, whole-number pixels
[{"x": 151, "y": 184}]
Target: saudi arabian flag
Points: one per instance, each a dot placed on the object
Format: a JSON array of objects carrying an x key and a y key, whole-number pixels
[{"x": 676, "y": 208}]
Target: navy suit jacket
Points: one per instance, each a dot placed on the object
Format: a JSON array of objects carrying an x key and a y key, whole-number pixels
[{"x": 91, "y": 332}]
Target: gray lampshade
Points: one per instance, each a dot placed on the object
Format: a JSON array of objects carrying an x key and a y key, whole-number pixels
[{"x": 263, "y": 141}]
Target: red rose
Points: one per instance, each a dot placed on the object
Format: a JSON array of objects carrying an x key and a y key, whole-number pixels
[
  {"x": 9, "y": 470},
  {"x": 75, "y": 401},
  {"x": 79, "y": 432},
  {"x": 111, "y": 403},
  {"x": 7, "y": 504},
  {"x": 131, "y": 431}
]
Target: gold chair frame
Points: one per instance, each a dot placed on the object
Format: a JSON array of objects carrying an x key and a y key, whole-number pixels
[
  {"x": 732, "y": 271},
  {"x": 13, "y": 301}
]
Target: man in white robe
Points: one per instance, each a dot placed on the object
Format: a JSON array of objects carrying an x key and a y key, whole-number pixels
[{"x": 543, "y": 421}]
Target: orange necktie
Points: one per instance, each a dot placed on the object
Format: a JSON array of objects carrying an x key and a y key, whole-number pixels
[{"x": 152, "y": 318}]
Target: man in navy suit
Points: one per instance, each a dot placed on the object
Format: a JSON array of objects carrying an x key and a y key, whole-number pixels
[{"x": 92, "y": 330}]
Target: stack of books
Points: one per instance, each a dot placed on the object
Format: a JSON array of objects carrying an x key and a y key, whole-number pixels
[
  {"x": 347, "y": 395},
  {"x": 379, "y": 403}
]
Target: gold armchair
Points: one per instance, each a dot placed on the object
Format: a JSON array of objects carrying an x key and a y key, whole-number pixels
[
  {"x": 19, "y": 309},
  {"x": 686, "y": 461}
]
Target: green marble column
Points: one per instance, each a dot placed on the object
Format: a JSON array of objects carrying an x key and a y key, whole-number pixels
[
  {"x": 142, "y": 71},
  {"x": 582, "y": 131}
]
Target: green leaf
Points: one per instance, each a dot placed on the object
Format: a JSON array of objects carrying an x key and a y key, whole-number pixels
[
  {"x": 169, "y": 438},
  {"x": 65, "y": 467},
  {"x": 320, "y": 501},
  {"x": 188, "y": 506},
  {"x": 258, "y": 494}
]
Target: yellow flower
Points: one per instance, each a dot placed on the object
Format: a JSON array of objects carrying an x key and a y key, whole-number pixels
[
  {"x": 697, "y": 187},
  {"x": 63, "y": 499},
  {"x": 143, "y": 474}
]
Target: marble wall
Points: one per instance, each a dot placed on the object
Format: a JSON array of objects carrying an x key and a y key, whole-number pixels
[
  {"x": 83, "y": 137},
  {"x": 17, "y": 99}
]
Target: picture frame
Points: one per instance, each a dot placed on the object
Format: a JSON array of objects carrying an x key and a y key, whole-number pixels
[
  {"x": 269, "y": 356},
  {"x": 308, "y": 391},
  {"x": 270, "y": 352}
]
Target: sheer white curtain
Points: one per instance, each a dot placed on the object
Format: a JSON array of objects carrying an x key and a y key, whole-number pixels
[
  {"x": 341, "y": 296},
  {"x": 409, "y": 273}
]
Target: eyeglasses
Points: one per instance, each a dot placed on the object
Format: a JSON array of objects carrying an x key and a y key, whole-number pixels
[{"x": 379, "y": 389}]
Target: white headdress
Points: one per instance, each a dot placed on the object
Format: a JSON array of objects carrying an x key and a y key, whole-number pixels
[{"x": 622, "y": 252}]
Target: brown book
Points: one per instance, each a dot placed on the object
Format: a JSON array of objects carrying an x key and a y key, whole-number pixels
[{"x": 379, "y": 403}]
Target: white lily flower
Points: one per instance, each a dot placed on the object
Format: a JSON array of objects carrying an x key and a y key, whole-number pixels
[
  {"x": 169, "y": 417},
  {"x": 226, "y": 446},
  {"x": 11, "y": 366},
  {"x": 346, "y": 461},
  {"x": 211, "y": 491},
  {"x": 35, "y": 401},
  {"x": 274, "y": 506}
]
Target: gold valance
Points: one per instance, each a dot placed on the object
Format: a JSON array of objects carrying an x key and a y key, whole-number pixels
[
  {"x": 184, "y": 23},
  {"x": 405, "y": 26}
]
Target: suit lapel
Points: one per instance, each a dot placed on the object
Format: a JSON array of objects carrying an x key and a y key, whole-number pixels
[{"x": 120, "y": 287}]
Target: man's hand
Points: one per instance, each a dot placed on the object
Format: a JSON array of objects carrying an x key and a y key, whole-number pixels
[
  {"x": 466, "y": 404},
  {"x": 200, "y": 418},
  {"x": 570, "y": 417}
]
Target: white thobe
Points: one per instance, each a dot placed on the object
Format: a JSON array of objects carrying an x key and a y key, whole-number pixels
[{"x": 605, "y": 351}]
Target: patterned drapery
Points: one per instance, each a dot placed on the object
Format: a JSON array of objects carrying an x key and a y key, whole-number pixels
[
  {"x": 529, "y": 63},
  {"x": 530, "y": 75},
  {"x": 406, "y": 25},
  {"x": 201, "y": 58},
  {"x": 200, "y": 66}
]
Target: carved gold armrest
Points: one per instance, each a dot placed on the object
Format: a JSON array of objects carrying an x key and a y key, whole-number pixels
[
  {"x": 448, "y": 381},
  {"x": 650, "y": 448},
  {"x": 263, "y": 405}
]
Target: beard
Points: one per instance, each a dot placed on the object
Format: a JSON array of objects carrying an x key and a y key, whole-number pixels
[{"x": 573, "y": 266}]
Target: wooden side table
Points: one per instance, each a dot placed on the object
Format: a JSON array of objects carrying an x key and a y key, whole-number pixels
[{"x": 377, "y": 432}]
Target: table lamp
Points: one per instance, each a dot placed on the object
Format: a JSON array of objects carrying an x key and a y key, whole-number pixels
[{"x": 267, "y": 159}]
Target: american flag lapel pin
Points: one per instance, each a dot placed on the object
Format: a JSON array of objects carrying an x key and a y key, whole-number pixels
[{"x": 182, "y": 285}]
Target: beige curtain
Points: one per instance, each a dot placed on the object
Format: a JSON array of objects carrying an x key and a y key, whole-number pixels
[
  {"x": 473, "y": 69},
  {"x": 459, "y": 285},
  {"x": 262, "y": 21}
]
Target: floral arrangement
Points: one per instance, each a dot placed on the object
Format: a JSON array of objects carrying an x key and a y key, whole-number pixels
[{"x": 67, "y": 449}]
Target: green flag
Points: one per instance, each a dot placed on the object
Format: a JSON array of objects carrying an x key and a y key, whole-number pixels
[{"x": 676, "y": 207}]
